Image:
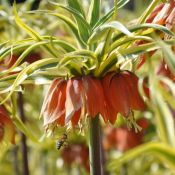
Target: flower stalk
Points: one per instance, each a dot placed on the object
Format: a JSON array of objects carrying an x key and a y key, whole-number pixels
[
  {"x": 95, "y": 147},
  {"x": 24, "y": 148}
]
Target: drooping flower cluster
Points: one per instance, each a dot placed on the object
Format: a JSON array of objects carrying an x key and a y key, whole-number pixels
[
  {"x": 69, "y": 100},
  {"x": 7, "y": 130},
  {"x": 163, "y": 14},
  {"x": 164, "y": 70},
  {"x": 76, "y": 153},
  {"x": 123, "y": 139}
]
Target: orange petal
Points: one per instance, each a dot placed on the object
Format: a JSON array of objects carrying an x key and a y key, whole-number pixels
[
  {"x": 11, "y": 61},
  {"x": 94, "y": 94},
  {"x": 61, "y": 120},
  {"x": 7, "y": 129},
  {"x": 154, "y": 13},
  {"x": 76, "y": 118},
  {"x": 73, "y": 98},
  {"x": 56, "y": 105},
  {"x": 110, "y": 113},
  {"x": 48, "y": 97},
  {"x": 170, "y": 21},
  {"x": 116, "y": 94},
  {"x": 135, "y": 99}
]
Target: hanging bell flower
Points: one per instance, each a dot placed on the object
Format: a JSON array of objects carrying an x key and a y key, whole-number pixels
[
  {"x": 7, "y": 130},
  {"x": 122, "y": 95},
  {"x": 71, "y": 100}
]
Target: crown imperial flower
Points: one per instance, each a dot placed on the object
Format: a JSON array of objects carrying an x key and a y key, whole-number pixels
[{"x": 69, "y": 100}]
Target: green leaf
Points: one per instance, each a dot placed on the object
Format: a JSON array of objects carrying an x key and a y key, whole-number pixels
[
  {"x": 71, "y": 25},
  {"x": 169, "y": 55},
  {"x": 30, "y": 31},
  {"x": 118, "y": 43},
  {"x": 23, "y": 44},
  {"x": 111, "y": 59},
  {"x": 165, "y": 122},
  {"x": 25, "y": 73},
  {"x": 147, "y": 28},
  {"x": 94, "y": 12},
  {"x": 122, "y": 3},
  {"x": 107, "y": 64},
  {"x": 104, "y": 19},
  {"x": 148, "y": 11},
  {"x": 77, "y": 6},
  {"x": 160, "y": 150},
  {"x": 100, "y": 31},
  {"x": 109, "y": 15},
  {"x": 83, "y": 27},
  {"x": 80, "y": 53},
  {"x": 23, "y": 128}
]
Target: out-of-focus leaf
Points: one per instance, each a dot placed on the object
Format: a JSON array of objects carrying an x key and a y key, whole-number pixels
[
  {"x": 118, "y": 43},
  {"x": 99, "y": 32},
  {"x": 160, "y": 150},
  {"x": 18, "y": 47},
  {"x": 80, "y": 53},
  {"x": 71, "y": 25},
  {"x": 77, "y": 6},
  {"x": 122, "y": 3},
  {"x": 104, "y": 19},
  {"x": 169, "y": 83},
  {"x": 147, "y": 28},
  {"x": 23, "y": 128},
  {"x": 168, "y": 97},
  {"x": 94, "y": 12},
  {"x": 83, "y": 26},
  {"x": 25, "y": 73},
  {"x": 164, "y": 118},
  {"x": 30, "y": 31},
  {"x": 112, "y": 59},
  {"x": 147, "y": 12},
  {"x": 108, "y": 16},
  {"x": 169, "y": 56}
]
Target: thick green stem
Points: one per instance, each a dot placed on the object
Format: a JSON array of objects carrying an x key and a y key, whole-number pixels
[{"x": 95, "y": 147}]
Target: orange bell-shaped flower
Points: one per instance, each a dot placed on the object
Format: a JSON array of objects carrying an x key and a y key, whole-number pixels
[
  {"x": 7, "y": 130},
  {"x": 69, "y": 100},
  {"x": 121, "y": 90}
]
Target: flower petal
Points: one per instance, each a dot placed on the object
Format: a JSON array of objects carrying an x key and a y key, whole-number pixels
[
  {"x": 135, "y": 99},
  {"x": 48, "y": 97},
  {"x": 110, "y": 113},
  {"x": 117, "y": 94},
  {"x": 7, "y": 129},
  {"x": 76, "y": 118},
  {"x": 73, "y": 98},
  {"x": 56, "y": 104},
  {"x": 94, "y": 94}
]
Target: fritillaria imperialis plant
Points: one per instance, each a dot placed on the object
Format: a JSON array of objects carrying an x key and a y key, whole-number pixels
[{"x": 95, "y": 74}]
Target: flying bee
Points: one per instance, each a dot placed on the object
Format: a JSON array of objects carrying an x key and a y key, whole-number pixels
[{"x": 62, "y": 141}]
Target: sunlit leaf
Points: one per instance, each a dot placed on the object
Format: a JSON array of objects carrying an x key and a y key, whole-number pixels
[
  {"x": 94, "y": 12},
  {"x": 30, "y": 31},
  {"x": 83, "y": 26},
  {"x": 24, "y": 74},
  {"x": 102, "y": 30},
  {"x": 168, "y": 55},
  {"x": 164, "y": 118},
  {"x": 77, "y": 6},
  {"x": 147, "y": 29},
  {"x": 160, "y": 150}
]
